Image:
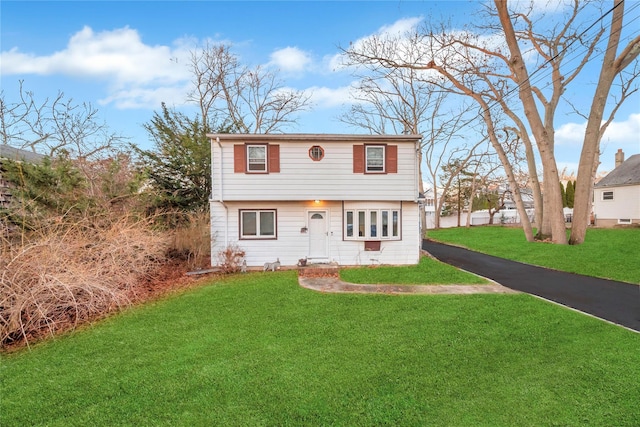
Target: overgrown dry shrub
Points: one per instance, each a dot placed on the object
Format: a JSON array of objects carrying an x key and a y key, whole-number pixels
[
  {"x": 69, "y": 274},
  {"x": 191, "y": 241},
  {"x": 230, "y": 259}
]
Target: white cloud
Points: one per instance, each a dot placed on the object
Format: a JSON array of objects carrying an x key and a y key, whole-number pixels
[
  {"x": 626, "y": 132},
  {"x": 570, "y": 134},
  {"x": 132, "y": 69},
  {"x": 324, "y": 97},
  {"x": 147, "y": 98},
  {"x": 291, "y": 59},
  {"x": 622, "y": 133},
  {"x": 400, "y": 27}
]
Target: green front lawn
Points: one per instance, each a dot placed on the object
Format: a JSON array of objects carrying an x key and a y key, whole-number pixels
[
  {"x": 608, "y": 253},
  {"x": 258, "y": 350},
  {"x": 428, "y": 272}
]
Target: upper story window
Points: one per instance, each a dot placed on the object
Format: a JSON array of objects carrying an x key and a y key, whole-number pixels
[
  {"x": 607, "y": 195},
  {"x": 256, "y": 158},
  {"x": 375, "y": 158},
  {"x": 374, "y": 155},
  {"x": 316, "y": 153}
]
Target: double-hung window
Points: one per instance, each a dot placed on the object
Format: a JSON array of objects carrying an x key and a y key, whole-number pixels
[
  {"x": 378, "y": 224},
  {"x": 256, "y": 158},
  {"x": 374, "y": 155},
  {"x": 375, "y": 158},
  {"x": 607, "y": 195},
  {"x": 258, "y": 224}
]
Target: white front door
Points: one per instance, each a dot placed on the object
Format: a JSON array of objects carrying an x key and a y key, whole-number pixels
[{"x": 318, "y": 234}]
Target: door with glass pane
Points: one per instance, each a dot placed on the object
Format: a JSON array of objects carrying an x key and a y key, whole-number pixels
[{"x": 318, "y": 235}]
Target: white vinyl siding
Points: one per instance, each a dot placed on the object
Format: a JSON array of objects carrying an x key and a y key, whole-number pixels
[
  {"x": 292, "y": 242},
  {"x": 301, "y": 178},
  {"x": 625, "y": 204}
]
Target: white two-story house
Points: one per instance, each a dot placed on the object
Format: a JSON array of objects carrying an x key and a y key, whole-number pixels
[{"x": 347, "y": 199}]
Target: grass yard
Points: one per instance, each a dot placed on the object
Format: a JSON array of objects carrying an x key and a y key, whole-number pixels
[
  {"x": 258, "y": 350},
  {"x": 428, "y": 272},
  {"x": 607, "y": 253}
]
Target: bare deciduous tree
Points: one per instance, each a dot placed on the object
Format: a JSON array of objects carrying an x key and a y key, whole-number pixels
[
  {"x": 458, "y": 73},
  {"x": 249, "y": 100},
  {"x": 406, "y": 100},
  {"x": 486, "y": 64},
  {"x": 56, "y": 127},
  {"x": 446, "y": 146},
  {"x": 612, "y": 67}
]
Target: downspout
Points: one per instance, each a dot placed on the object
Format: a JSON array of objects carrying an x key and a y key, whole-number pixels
[
  {"x": 416, "y": 170},
  {"x": 416, "y": 189},
  {"x": 221, "y": 195}
]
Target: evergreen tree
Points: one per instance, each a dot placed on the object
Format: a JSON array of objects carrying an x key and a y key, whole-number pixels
[
  {"x": 43, "y": 192},
  {"x": 179, "y": 166},
  {"x": 570, "y": 194},
  {"x": 564, "y": 195}
]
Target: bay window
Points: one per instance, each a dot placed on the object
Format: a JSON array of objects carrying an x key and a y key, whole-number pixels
[{"x": 382, "y": 224}]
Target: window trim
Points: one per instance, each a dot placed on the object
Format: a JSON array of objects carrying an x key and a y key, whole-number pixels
[
  {"x": 359, "y": 230},
  {"x": 366, "y": 158},
  {"x": 258, "y": 236},
  {"x": 312, "y": 151},
  {"x": 607, "y": 199},
  {"x": 266, "y": 158}
]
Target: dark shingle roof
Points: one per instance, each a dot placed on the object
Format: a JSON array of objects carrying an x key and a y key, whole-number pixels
[
  {"x": 628, "y": 173},
  {"x": 9, "y": 152}
]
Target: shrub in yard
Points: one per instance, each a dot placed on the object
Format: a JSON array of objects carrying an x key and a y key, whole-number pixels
[
  {"x": 72, "y": 273},
  {"x": 191, "y": 240},
  {"x": 231, "y": 259}
]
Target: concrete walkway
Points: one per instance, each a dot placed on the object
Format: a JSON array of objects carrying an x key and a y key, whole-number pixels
[
  {"x": 335, "y": 285},
  {"x": 616, "y": 302}
]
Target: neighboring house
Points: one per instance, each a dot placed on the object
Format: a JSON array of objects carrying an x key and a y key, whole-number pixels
[
  {"x": 348, "y": 199},
  {"x": 16, "y": 154},
  {"x": 430, "y": 202},
  {"x": 616, "y": 197}
]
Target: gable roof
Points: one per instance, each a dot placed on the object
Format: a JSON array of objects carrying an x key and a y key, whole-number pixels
[
  {"x": 628, "y": 173},
  {"x": 313, "y": 137}
]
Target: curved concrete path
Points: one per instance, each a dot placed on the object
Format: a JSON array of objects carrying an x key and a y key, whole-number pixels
[
  {"x": 335, "y": 285},
  {"x": 616, "y": 302}
]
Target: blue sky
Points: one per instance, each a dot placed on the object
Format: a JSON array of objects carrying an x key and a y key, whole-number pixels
[{"x": 128, "y": 57}]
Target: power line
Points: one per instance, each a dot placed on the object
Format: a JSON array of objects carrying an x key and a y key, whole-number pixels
[{"x": 550, "y": 61}]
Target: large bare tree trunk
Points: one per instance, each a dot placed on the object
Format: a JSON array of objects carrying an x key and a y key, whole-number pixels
[
  {"x": 611, "y": 66},
  {"x": 533, "y": 180},
  {"x": 553, "y": 198}
]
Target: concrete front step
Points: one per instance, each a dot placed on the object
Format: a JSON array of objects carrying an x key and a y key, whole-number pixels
[{"x": 319, "y": 270}]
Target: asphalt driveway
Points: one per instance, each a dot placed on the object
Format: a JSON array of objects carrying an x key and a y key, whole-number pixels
[{"x": 617, "y": 302}]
